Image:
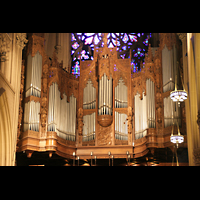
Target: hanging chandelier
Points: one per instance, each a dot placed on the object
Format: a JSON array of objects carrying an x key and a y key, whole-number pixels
[
  {"x": 178, "y": 95},
  {"x": 176, "y": 139}
]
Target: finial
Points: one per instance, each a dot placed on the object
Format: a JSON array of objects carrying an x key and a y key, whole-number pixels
[{"x": 105, "y": 39}]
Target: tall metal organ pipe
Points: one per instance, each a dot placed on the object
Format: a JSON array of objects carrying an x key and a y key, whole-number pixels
[
  {"x": 105, "y": 96},
  {"x": 121, "y": 95},
  {"x": 61, "y": 114},
  {"x": 89, "y": 96}
]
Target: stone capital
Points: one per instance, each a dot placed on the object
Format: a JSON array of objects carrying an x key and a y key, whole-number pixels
[
  {"x": 5, "y": 42},
  {"x": 21, "y": 39},
  {"x": 182, "y": 36}
]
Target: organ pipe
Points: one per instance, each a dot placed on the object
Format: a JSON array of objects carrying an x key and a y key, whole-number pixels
[
  {"x": 89, "y": 96},
  {"x": 169, "y": 60},
  {"x": 34, "y": 72},
  {"x": 89, "y": 127},
  {"x": 145, "y": 110},
  {"x": 140, "y": 116},
  {"x": 61, "y": 114},
  {"x": 31, "y": 116},
  {"x": 171, "y": 112},
  {"x": 121, "y": 131},
  {"x": 105, "y": 96},
  {"x": 150, "y": 96},
  {"x": 121, "y": 95}
]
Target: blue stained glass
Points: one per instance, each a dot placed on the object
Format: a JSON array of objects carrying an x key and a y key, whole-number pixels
[
  {"x": 123, "y": 56},
  {"x": 141, "y": 54},
  {"x": 124, "y": 47}
]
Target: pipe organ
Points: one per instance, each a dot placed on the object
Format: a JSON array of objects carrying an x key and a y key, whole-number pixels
[{"x": 108, "y": 108}]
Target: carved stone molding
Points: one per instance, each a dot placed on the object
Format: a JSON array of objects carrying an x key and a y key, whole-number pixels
[
  {"x": 80, "y": 121},
  {"x": 4, "y": 46},
  {"x": 36, "y": 43},
  {"x": 21, "y": 39},
  {"x": 130, "y": 119},
  {"x": 19, "y": 130},
  {"x": 182, "y": 36},
  {"x": 198, "y": 118},
  {"x": 196, "y": 153},
  {"x": 168, "y": 39}
]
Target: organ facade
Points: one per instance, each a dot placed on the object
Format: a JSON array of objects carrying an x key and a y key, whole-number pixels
[{"x": 108, "y": 108}]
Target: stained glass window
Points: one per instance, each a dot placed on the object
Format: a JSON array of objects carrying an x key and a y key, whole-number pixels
[{"x": 83, "y": 44}]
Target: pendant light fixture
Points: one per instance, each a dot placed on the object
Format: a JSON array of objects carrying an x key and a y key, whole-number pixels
[{"x": 178, "y": 95}]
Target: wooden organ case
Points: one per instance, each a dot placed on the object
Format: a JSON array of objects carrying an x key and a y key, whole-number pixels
[{"x": 100, "y": 111}]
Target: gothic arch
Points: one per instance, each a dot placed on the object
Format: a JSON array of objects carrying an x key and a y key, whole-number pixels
[{"x": 5, "y": 130}]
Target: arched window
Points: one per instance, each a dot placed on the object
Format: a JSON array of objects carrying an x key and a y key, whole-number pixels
[{"x": 83, "y": 44}]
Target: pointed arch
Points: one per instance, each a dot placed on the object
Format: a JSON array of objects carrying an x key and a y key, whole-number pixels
[{"x": 5, "y": 130}]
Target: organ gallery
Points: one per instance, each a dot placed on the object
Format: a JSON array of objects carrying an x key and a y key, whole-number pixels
[{"x": 112, "y": 104}]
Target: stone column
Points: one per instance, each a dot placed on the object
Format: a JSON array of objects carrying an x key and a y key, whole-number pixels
[
  {"x": 197, "y": 70},
  {"x": 193, "y": 107},
  {"x": 183, "y": 38}
]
